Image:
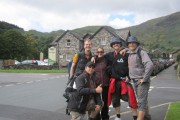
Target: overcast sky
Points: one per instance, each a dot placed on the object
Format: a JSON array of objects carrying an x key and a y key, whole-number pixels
[{"x": 51, "y": 15}]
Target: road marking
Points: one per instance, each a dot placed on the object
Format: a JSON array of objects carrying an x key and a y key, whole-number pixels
[
  {"x": 153, "y": 77},
  {"x": 38, "y": 81},
  {"x": 29, "y": 82},
  {"x": 159, "y": 105},
  {"x": 112, "y": 116},
  {"x": 169, "y": 87},
  {"x": 44, "y": 74},
  {"x": 167, "y": 112},
  {"x": 151, "y": 87},
  {"x": 9, "y": 85},
  {"x": 19, "y": 83}
]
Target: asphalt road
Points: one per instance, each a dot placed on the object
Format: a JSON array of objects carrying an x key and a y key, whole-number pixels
[{"x": 30, "y": 96}]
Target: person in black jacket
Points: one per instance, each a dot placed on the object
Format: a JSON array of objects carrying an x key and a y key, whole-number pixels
[
  {"x": 102, "y": 78},
  {"x": 119, "y": 87},
  {"x": 86, "y": 96}
]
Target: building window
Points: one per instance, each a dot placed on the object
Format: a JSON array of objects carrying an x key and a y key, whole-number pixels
[
  {"x": 68, "y": 57},
  {"x": 103, "y": 41},
  {"x": 68, "y": 43}
]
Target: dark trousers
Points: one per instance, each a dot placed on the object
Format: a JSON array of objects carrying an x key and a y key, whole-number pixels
[{"x": 105, "y": 109}]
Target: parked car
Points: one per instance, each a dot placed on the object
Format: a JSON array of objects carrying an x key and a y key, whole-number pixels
[
  {"x": 17, "y": 62},
  {"x": 41, "y": 62},
  {"x": 155, "y": 69},
  {"x": 29, "y": 62}
]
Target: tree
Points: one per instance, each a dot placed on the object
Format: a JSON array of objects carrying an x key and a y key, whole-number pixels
[
  {"x": 32, "y": 45},
  {"x": 13, "y": 45},
  {"x": 178, "y": 58}
]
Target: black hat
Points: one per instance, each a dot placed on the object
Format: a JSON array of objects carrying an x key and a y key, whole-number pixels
[
  {"x": 90, "y": 64},
  {"x": 115, "y": 40}
]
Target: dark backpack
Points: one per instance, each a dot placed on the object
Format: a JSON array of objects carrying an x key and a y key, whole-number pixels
[{"x": 140, "y": 57}]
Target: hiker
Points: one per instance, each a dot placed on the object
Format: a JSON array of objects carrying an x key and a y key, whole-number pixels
[
  {"x": 119, "y": 78},
  {"x": 80, "y": 59},
  {"x": 102, "y": 78},
  {"x": 86, "y": 96},
  {"x": 119, "y": 87},
  {"x": 77, "y": 67},
  {"x": 140, "y": 69}
]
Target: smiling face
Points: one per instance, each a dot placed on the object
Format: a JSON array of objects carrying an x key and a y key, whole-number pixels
[
  {"x": 89, "y": 69},
  {"x": 132, "y": 46},
  {"x": 100, "y": 52},
  {"x": 116, "y": 46},
  {"x": 87, "y": 45}
]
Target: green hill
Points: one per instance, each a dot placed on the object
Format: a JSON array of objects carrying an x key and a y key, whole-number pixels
[
  {"x": 87, "y": 29},
  {"x": 163, "y": 32},
  {"x": 4, "y": 26},
  {"x": 45, "y": 34}
]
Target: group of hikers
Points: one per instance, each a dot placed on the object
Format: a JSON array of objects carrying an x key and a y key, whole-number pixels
[{"x": 104, "y": 79}]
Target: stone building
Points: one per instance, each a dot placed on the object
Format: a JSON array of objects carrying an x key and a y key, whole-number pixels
[
  {"x": 102, "y": 38},
  {"x": 71, "y": 42},
  {"x": 159, "y": 53},
  {"x": 175, "y": 54}
]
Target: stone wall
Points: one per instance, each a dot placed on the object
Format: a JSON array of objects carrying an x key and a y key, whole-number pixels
[
  {"x": 66, "y": 52},
  {"x": 96, "y": 41}
]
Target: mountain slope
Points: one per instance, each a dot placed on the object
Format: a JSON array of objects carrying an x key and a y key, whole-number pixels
[{"x": 163, "y": 32}]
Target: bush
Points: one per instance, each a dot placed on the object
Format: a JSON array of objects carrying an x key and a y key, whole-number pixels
[
  {"x": 176, "y": 66},
  {"x": 178, "y": 58}
]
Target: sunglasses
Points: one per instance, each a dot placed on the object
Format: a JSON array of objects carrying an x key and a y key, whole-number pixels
[{"x": 100, "y": 52}]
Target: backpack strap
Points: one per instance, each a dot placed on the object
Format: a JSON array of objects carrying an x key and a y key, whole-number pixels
[{"x": 139, "y": 54}]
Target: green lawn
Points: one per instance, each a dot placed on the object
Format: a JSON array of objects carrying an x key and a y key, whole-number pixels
[
  {"x": 34, "y": 71},
  {"x": 174, "y": 111}
]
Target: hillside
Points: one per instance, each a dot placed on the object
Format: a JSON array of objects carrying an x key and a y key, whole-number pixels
[
  {"x": 87, "y": 29},
  {"x": 45, "y": 34},
  {"x": 7, "y": 26},
  {"x": 163, "y": 32}
]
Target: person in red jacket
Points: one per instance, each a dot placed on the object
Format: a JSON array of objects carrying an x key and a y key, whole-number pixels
[{"x": 119, "y": 87}]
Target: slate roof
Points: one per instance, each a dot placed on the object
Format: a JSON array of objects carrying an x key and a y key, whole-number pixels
[
  {"x": 75, "y": 34},
  {"x": 123, "y": 34}
]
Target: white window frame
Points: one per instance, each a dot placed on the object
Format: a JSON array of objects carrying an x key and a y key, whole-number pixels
[
  {"x": 68, "y": 43},
  {"x": 103, "y": 41}
]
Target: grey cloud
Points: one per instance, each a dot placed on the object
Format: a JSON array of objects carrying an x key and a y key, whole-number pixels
[
  {"x": 61, "y": 12},
  {"x": 103, "y": 6}
]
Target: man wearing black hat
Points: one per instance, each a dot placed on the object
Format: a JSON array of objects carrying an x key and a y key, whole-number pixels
[
  {"x": 119, "y": 76},
  {"x": 86, "y": 96}
]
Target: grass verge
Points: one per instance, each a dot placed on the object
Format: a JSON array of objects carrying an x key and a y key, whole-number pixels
[
  {"x": 34, "y": 71},
  {"x": 173, "y": 111}
]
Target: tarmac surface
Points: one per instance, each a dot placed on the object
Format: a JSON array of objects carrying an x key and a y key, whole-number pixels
[{"x": 31, "y": 96}]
